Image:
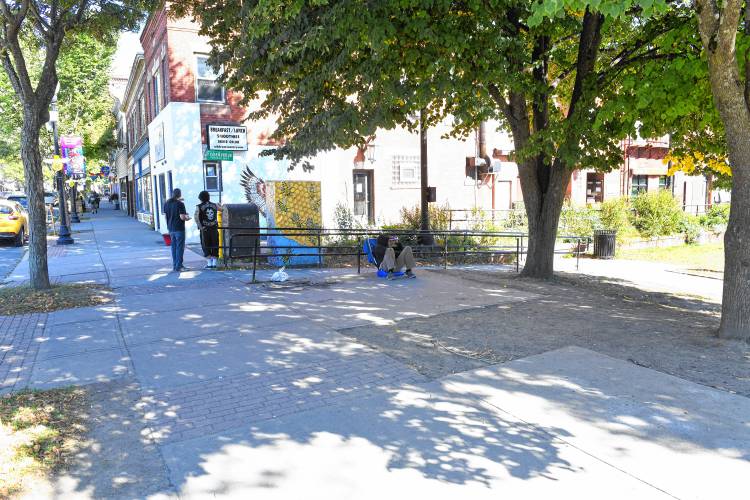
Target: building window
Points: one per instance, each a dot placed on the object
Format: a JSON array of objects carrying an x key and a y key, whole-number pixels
[
  {"x": 155, "y": 93},
  {"x": 405, "y": 170},
  {"x": 665, "y": 182},
  {"x": 639, "y": 184},
  {"x": 594, "y": 187},
  {"x": 165, "y": 81},
  {"x": 212, "y": 176},
  {"x": 207, "y": 88},
  {"x": 141, "y": 116}
]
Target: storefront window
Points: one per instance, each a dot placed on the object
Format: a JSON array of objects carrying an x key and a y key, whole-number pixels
[{"x": 144, "y": 193}]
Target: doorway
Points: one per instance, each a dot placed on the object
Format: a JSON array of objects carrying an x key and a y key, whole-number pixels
[{"x": 364, "y": 202}]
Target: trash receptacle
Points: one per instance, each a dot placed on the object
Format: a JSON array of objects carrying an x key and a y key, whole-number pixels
[
  {"x": 604, "y": 243},
  {"x": 242, "y": 223}
]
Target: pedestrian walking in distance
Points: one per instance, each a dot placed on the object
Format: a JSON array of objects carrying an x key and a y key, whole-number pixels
[
  {"x": 207, "y": 220},
  {"x": 176, "y": 215}
]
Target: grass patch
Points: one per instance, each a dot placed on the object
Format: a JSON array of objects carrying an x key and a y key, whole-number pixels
[
  {"x": 39, "y": 433},
  {"x": 25, "y": 300},
  {"x": 708, "y": 257}
]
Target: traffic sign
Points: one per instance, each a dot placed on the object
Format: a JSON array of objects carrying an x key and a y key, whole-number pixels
[{"x": 105, "y": 170}]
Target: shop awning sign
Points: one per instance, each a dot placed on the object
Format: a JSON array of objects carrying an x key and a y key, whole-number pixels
[
  {"x": 218, "y": 155},
  {"x": 227, "y": 137}
]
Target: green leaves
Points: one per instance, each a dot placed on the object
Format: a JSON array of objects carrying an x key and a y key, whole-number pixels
[{"x": 612, "y": 9}]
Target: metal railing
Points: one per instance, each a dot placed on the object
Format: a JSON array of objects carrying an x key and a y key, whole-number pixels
[{"x": 321, "y": 243}]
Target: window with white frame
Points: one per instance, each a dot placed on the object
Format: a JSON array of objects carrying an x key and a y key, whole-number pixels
[
  {"x": 207, "y": 88},
  {"x": 212, "y": 176},
  {"x": 405, "y": 170}
]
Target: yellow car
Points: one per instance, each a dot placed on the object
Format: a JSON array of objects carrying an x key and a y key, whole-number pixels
[{"x": 13, "y": 222}]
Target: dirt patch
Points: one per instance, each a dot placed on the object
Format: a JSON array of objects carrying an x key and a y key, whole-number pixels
[
  {"x": 25, "y": 300},
  {"x": 40, "y": 431},
  {"x": 671, "y": 334}
]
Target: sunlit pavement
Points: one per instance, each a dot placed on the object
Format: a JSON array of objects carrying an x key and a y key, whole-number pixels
[
  {"x": 211, "y": 387},
  {"x": 9, "y": 257}
]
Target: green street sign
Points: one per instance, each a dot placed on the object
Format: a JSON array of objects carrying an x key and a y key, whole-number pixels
[{"x": 218, "y": 155}]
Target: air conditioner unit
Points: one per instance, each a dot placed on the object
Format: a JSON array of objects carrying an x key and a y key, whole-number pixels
[{"x": 495, "y": 166}]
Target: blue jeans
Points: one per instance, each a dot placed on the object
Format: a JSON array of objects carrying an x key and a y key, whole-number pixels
[{"x": 178, "y": 248}]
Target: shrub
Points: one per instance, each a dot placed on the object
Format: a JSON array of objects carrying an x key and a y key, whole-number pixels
[
  {"x": 717, "y": 215},
  {"x": 690, "y": 226},
  {"x": 657, "y": 214},
  {"x": 439, "y": 217},
  {"x": 578, "y": 221},
  {"x": 615, "y": 214}
]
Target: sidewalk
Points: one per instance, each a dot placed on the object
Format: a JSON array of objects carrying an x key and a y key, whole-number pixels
[{"x": 203, "y": 385}]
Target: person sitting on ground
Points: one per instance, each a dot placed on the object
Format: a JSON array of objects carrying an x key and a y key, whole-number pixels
[{"x": 392, "y": 256}]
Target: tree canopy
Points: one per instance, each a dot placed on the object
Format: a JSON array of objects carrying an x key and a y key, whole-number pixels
[
  {"x": 553, "y": 73},
  {"x": 84, "y": 103}
]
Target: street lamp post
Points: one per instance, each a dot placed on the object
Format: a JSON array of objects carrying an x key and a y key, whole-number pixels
[
  {"x": 63, "y": 237},
  {"x": 74, "y": 204}
]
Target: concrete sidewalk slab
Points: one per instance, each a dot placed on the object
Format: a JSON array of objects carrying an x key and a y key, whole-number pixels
[
  {"x": 75, "y": 338},
  {"x": 80, "y": 369},
  {"x": 689, "y": 440}
]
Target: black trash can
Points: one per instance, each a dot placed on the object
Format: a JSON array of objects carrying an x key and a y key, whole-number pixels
[
  {"x": 604, "y": 243},
  {"x": 241, "y": 221}
]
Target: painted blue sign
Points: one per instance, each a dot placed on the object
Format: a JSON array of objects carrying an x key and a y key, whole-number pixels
[{"x": 105, "y": 170}]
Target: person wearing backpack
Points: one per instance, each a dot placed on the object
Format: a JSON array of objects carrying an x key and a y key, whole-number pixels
[{"x": 207, "y": 219}]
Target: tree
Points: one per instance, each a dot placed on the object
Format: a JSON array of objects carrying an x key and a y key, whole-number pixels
[
  {"x": 729, "y": 75},
  {"x": 46, "y": 25},
  {"x": 336, "y": 71},
  {"x": 84, "y": 102}
]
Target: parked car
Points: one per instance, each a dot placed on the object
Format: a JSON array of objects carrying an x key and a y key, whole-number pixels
[
  {"x": 21, "y": 199},
  {"x": 14, "y": 222}
]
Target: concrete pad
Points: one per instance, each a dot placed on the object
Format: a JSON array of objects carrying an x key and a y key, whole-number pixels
[
  {"x": 80, "y": 369},
  {"x": 686, "y": 439},
  {"x": 75, "y": 338},
  {"x": 211, "y": 294},
  {"x": 375, "y": 301},
  {"x": 181, "y": 361},
  {"x": 413, "y": 443},
  {"x": 243, "y": 317},
  {"x": 82, "y": 314}
]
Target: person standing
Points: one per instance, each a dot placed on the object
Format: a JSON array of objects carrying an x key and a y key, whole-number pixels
[
  {"x": 207, "y": 220},
  {"x": 176, "y": 215}
]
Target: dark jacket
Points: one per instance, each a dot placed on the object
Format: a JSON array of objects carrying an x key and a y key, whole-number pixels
[{"x": 381, "y": 245}]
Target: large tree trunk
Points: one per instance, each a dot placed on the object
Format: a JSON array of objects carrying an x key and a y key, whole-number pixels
[
  {"x": 543, "y": 207},
  {"x": 718, "y": 29},
  {"x": 32, "y": 165}
]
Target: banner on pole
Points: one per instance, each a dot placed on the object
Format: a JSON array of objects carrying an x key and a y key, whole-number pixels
[{"x": 71, "y": 147}]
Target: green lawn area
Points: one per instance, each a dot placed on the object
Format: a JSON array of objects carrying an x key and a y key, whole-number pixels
[{"x": 697, "y": 257}]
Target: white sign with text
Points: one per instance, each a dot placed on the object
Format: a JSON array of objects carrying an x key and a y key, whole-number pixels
[{"x": 227, "y": 138}]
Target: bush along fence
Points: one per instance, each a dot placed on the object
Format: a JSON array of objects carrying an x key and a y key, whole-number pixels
[{"x": 312, "y": 246}]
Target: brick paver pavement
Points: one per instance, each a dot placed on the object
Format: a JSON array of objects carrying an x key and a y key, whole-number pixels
[{"x": 18, "y": 349}]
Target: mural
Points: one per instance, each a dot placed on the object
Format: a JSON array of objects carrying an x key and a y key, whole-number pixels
[{"x": 286, "y": 204}]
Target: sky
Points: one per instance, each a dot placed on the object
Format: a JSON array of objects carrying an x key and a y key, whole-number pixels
[{"x": 128, "y": 46}]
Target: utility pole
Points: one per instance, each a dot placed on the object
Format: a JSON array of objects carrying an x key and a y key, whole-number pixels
[
  {"x": 63, "y": 236},
  {"x": 425, "y": 238}
]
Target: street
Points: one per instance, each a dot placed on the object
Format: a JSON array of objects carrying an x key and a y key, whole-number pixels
[{"x": 9, "y": 257}]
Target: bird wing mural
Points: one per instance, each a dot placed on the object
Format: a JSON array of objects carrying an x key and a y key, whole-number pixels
[{"x": 255, "y": 190}]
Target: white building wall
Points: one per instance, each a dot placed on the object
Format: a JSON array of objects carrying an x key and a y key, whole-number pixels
[{"x": 334, "y": 169}]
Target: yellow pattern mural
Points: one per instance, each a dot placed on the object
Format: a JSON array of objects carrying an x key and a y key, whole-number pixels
[{"x": 295, "y": 204}]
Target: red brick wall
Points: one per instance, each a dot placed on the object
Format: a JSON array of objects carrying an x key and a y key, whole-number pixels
[{"x": 183, "y": 43}]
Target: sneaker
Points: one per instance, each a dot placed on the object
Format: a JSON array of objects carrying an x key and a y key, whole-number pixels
[
  {"x": 183, "y": 268},
  {"x": 208, "y": 266},
  {"x": 410, "y": 274},
  {"x": 390, "y": 275}
]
